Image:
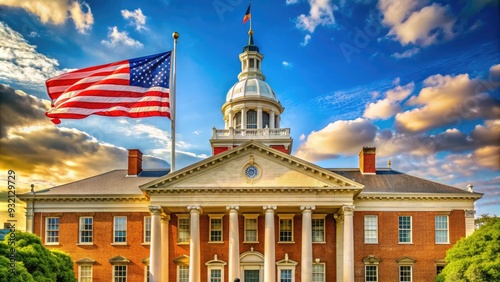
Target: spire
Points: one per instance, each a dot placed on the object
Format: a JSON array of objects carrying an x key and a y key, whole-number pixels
[{"x": 251, "y": 46}]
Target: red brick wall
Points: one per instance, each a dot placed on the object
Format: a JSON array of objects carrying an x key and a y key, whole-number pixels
[
  {"x": 423, "y": 249},
  {"x": 102, "y": 250}
]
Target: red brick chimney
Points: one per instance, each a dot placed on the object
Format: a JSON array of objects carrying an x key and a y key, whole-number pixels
[
  {"x": 367, "y": 160},
  {"x": 134, "y": 162}
]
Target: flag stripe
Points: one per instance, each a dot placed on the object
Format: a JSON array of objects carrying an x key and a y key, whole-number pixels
[{"x": 134, "y": 88}]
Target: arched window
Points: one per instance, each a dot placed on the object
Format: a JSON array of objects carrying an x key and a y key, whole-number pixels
[
  {"x": 237, "y": 120},
  {"x": 265, "y": 119},
  {"x": 251, "y": 119}
]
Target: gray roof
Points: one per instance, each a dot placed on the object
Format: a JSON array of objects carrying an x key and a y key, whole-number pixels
[
  {"x": 114, "y": 182},
  {"x": 391, "y": 181}
]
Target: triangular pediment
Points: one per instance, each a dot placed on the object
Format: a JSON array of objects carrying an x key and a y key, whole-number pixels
[{"x": 252, "y": 165}]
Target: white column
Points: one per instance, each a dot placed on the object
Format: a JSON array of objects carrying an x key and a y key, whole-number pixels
[
  {"x": 307, "y": 259},
  {"x": 194, "y": 244},
  {"x": 230, "y": 120},
  {"x": 164, "y": 247},
  {"x": 269, "y": 245},
  {"x": 259, "y": 117},
  {"x": 243, "y": 118},
  {"x": 339, "y": 249},
  {"x": 155, "y": 246},
  {"x": 30, "y": 214},
  {"x": 271, "y": 119},
  {"x": 348, "y": 212},
  {"x": 234, "y": 243}
]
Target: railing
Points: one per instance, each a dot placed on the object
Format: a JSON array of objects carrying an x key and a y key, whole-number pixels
[{"x": 265, "y": 133}]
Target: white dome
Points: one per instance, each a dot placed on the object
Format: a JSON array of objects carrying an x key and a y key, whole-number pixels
[{"x": 251, "y": 88}]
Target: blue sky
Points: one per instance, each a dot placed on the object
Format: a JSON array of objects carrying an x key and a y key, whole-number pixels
[{"x": 417, "y": 79}]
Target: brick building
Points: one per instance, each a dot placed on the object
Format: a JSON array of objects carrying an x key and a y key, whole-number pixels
[{"x": 253, "y": 211}]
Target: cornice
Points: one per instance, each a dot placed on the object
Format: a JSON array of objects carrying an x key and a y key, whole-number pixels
[
  {"x": 417, "y": 196},
  {"x": 85, "y": 198}
]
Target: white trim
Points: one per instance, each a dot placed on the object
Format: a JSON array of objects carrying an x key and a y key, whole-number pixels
[
  {"x": 114, "y": 230},
  {"x": 144, "y": 230},
  {"x": 365, "y": 229},
  {"x": 80, "y": 272},
  {"x": 447, "y": 230},
  {"x": 281, "y": 268},
  {"x": 58, "y": 230},
  {"x": 183, "y": 217},
  {"x": 376, "y": 271},
  {"x": 178, "y": 271},
  {"x": 251, "y": 216},
  {"x": 113, "y": 271},
  {"x": 216, "y": 216},
  {"x": 80, "y": 231},
  {"x": 286, "y": 217},
  {"x": 324, "y": 269},
  {"x": 411, "y": 230},
  {"x": 411, "y": 271}
]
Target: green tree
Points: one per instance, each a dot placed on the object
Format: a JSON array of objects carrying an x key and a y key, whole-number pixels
[
  {"x": 34, "y": 262},
  {"x": 476, "y": 257}
]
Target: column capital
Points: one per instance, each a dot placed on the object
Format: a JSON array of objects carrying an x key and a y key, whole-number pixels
[
  {"x": 155, "y": 210},
  {"x": 470, "y": 213},
  {"x": 269, "y": 208},
  {"x": 194, "y": 208},
  {"x": 165, "y": 217},
  {"x": 307, "y": 208},
  {"x": 232, "y": 208},
  {"x": 339, "y": 218},
  {"x": 348, "y": 210}
]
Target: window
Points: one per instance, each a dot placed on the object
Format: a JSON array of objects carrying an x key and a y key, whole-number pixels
[
  {"x": 120, "y": 229},
  {"x": 439, "y": 268},
  {"x": 251, "y": 119},
  {"x": 371, "y": 229},
  {"x": 442, "y": 229},
  {"x": 183, "y": 273},
  {"x": 252, "y": 63},
  {"x": 258, "y": 63},
  {"x": 146, "y": 273},
  {"x": 318, "y": 272},
  {"x": 405, "y": 229},
  {"x": 215, "y": 228},
  {"x": 265, "y": 119},
  {"x": 286, "y": 275},
  {"x": 119, "y": 273},
  {"x": 405, "y": 273},
  {"x": 85, "y": 273},
  {"x": 286, "y": 228},
  {"x": 86, "y": 227},
  {"x": 215, "y": 275},
  {"x": 147, "y": 229},
  {"x": 183, "y": 229},
  {"x": 371, "y": 273},
  {"x": 52, "y": 230},
  {"x": 237, "y": 120},
  {"x": 251, "y": 275},
  {"x": 251, "y": 224},
  {"x": 318, "y": 228}
]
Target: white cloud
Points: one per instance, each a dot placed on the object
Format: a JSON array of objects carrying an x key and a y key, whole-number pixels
[
  {"x": 116, "y": 37},
  {"x": 406, "y": 54},
  {"x": 410, "y": 23},
  {"x": 136, "y": 17},
  {"x": 291, "y": 2},
  {"x": 389, "y": 106},
  {"x": 21, "y": 63},
  {"x": 320, "y": 14},
  {"x": 447, "y": 100},
  {"x": 488, "y": 157},
  {"x": 287, "y": 64},
  {"x": 306, "y": 40},
  {"x": 57, "y": 11}
]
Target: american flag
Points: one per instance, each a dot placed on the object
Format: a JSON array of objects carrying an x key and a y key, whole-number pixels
[{"x": 132, "y": 88}]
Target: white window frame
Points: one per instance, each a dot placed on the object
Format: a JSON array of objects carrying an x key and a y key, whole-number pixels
[
  {"x": 400, "y": 229},
  {"x": 47, "y": 230},
  {"x": 286, "y": 217},
  {"x": 147, "y": 230},
  {"x": 376, "y": 272},
  {"x": 114, "y": 270},
  {"x": 366, "y": 228},
  {"x": 411, "y": 272},
  {"x": 280, "y": 270},
  {"x": 324, "y": 271},
  {"x": 252, "y": 267},
  {"x": 251, "y": 216},
  {"x": 146, "y": 273},
  {"x": 216, "y": 216},
  {"x": 115, "y": 218},
  {"x": 80, "y": 278},
  {"x": 179, "y": 266},
  {"x": 80, "y": 230},
  {"x": 447, "y": 229},
  {"x": 215, "y": 264},
  {"x": 321, "y": 217},
  {"x": 179, "y": 218}
]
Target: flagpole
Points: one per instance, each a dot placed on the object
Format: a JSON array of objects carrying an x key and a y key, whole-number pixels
[
  {"x": 250, "y": 15},
  {"x": 175, "y": 36}
]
